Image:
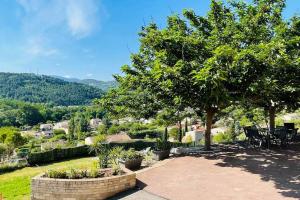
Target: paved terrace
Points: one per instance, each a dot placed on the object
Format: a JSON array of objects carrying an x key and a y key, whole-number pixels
[{"x": 231, "y": 175}]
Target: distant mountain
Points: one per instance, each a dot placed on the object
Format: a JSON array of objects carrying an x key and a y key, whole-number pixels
[
  {"x": 46, "y": 89},
  {"x": 103, "y": 85}
]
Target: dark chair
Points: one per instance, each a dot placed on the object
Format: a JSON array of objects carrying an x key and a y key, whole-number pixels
[
  {"x": 281, "y": 135},
  {"x": 254, "y": 138},
  {"x": 289, "y": 125},
  {"x": 292, "y": 131}
]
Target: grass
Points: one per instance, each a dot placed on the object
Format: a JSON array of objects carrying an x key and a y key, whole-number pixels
[{"x": 16, "y": 185}]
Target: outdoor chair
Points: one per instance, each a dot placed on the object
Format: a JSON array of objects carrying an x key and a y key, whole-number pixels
[
  {"x": 292, "y": 131},
  {"x": 254, "y": 138},
  {"x": 282, "y": 136}
]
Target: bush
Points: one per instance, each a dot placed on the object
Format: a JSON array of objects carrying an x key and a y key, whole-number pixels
[
  {"x": 152, "y": 133},
  {"x": 173, "y": 133},
  {"x": 162, "y": 145},
  {"x": 222, "y": 137},
  {"x": 3, "y": 149},
  {"x": 78, "y": 173},
  {"x": 137, "y": 144},
  {"x": 102, "y": 129},
  {"x": 241, "y": 137},
  {"x": 57, "y": 155},
  {"x": 56, "y": 174},
  {"x": 114, "y": 129},
  {"x": 58, "y": 137},
  {"x": 189, "y": 139},
  {"x": 4, "y": 168},
  {"x": 134, "y": 127},
  {"x": 130, "y": 154},
  {"x": 59, "y": 132}
]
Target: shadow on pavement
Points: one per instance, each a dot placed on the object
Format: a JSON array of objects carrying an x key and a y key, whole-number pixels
[
  {"x": 282, "y": 166},
  {"x": 137, "y": 193}
]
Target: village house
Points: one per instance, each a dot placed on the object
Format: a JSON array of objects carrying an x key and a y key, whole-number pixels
[
  {"x": 94, "y": 123},
  {"x": 63, "y": 125}
]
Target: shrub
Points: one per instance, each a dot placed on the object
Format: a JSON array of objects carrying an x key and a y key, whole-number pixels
[
  {"x": 3, "y": 149},
  {"x": 151, "y": 133},
  {"x": 102, "y": 129},
  {"x": 56, "y": 174},
  {"x": 162, "y": 145},
  {"x": 22, "y": 152},
  {"x": 58, "y": 137},
  {"x": 114, "y": 129},
  {"x": 4, "y": 168},
  {"x": 130, "y": 154},
  {"x": 134, "y": 127},
  {"x": 137, "y": 144},
  {"x": 189, "y": 139},
  {"x": 114, "y": 155},
  {"x": 222, "y": 137},
  {"x": 59, "y": 132},
  {"x": 241, "y": 137},
  {"x": 173, "y": 133}
]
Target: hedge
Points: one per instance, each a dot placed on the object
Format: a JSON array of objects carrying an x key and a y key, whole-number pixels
[
  {"x": 141, "y": 144},
  {"x": 58, "y": 154},
  {"x": 4, "y": 168},
  {"x": 136, "y": 144},
  {"x": 83, "y": 151},
  {"x": 151, "y": 133}
]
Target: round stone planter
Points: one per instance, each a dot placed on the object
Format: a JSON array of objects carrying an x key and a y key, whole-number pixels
[
  {"x": 160, "y": 155},
  {"x": 79, "y": 189},
  {"x": 132, "y": 164}
]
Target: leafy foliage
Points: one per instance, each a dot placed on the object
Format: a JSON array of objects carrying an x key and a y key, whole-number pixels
[
  {"x": 20, "y": 113},
  {"x": 237, "y": 52}
]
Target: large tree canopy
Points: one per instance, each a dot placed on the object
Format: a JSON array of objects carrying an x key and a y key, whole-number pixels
[{"x": 236, "y": 52}]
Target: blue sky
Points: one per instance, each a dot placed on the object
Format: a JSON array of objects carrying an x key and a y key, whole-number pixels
[{"x": 82, "y": 38}]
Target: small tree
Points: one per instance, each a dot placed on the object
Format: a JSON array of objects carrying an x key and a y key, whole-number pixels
[{"x": 3, "y": 151}]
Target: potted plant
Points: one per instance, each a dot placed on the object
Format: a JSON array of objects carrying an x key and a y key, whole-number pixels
[
  {"x": 131, "y": 159},
  {"x": 162, "y": 150}
]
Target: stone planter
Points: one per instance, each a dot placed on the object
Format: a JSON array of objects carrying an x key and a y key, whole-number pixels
[
  {"x": 132, "y": 164},
  {"x": 79, "y": 189},
  {"x": 161, "y": 155}
]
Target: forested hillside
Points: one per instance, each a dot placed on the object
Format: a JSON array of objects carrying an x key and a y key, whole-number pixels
[
  {"x": 46, "y": 89},
  {"x": 103, "y": 85}
]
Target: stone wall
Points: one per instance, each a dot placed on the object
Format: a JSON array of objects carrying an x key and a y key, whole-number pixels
[{"x": 81, "y": 189}]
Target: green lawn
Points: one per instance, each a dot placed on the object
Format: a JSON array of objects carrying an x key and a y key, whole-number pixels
[{"x": 16, "y": 185}]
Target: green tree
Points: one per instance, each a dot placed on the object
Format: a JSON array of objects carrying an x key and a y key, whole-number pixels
[
  {"x": 29, "y": 115},
  {"x": 166, "y": 117},
  {"x": 276, "y": 47},
  {"x": 71, "y": 130},
  {"x": 3, "y": 150},
  {"x": 15, "y": 140}
]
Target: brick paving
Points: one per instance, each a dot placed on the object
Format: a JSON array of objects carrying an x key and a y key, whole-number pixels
[{"x": 247, "y": 175}]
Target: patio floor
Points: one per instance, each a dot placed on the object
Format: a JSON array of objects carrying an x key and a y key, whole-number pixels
[{"x": 230, "y": 175}]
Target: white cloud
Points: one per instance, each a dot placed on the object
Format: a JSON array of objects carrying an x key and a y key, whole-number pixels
[
  {"x": 89, "y": 75},
  {"x": 67, "y": 76},
  {"x": 79, "y": 17},
  {"x": 36, "y": 47}
]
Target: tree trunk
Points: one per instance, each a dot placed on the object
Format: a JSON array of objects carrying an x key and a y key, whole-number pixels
[
  {"x": 165, "y": 137},
  {"x": 186, "y": 125},
  {"x": 180, "y": 132},
  {"x": 272, "y": 112},
  {"x": 209, "y": 120}
]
